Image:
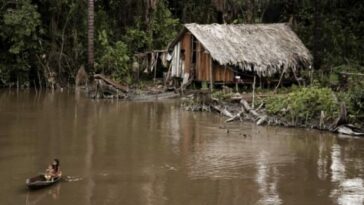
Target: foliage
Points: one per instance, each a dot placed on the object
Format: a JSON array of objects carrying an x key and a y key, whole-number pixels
[
  {"x": 114, "y": 58},
  {"x": 136, "y": 38},
  {"x": 222, "y": 95},
  {"x": 304, "y": 104},
  {"x": 20, "y": 26},
  {"x": 356, "y": 101},
  {"x": 352, "y": 92},
  {"x": 163, "y": 26},
  {"x": 18, "y": 36},
  {"x": 334, "y": 33},
  {"x": 160, "y": 29},
  {"x": 42, "y": 37}
]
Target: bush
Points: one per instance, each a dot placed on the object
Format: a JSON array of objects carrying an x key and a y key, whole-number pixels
[
  {"x": 154, "y": 34},
  {"x": 304, "y": 104},
  {"x": 352, "y": 90},
  {"x": 114, "y": 59},
  {"x": 354, "y": 99},
  {"x": 222, "y": 95}
]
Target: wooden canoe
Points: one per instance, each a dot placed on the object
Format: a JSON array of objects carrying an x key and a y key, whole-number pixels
[{"x": 40, "y": 181}]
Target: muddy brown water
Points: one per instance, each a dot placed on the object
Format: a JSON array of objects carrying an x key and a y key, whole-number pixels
[{"x": 155, "y": 153}]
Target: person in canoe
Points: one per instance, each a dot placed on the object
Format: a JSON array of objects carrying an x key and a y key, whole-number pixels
[{"x": 53, "y": 170}]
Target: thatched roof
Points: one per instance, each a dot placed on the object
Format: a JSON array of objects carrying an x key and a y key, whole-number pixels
[{"x": 266, "y": 48}]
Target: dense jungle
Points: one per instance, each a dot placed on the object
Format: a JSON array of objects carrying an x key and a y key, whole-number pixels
[{"x": 44, "y": 43}]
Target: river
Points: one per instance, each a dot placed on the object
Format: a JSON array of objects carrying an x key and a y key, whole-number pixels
[{"x": 156, "y": 153}]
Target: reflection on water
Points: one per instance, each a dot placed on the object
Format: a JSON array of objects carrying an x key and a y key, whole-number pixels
[
  {"x": 267, "y": 178},
  {"x": 337, "y": 167},
  {"x": 156, "y": 153},
  {"x": 71, "y": 178},
  {"x": 322, "y": 163},
  {"x": 43, "y": 196},
  {"x": 222, "y": 155},
  {"x": 347, "y": 191}
]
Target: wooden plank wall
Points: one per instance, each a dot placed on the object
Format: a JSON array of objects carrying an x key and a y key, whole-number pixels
[
  {"x": 186, "y": 45},
  {"x": 205, "y": 65},
  {"x": 202, "y": 67},
  {"x": 198, "y": 61},
  {"x": 221, "y": 74}
]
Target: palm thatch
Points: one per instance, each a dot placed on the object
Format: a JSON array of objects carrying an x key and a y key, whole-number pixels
[{"x": 262, "y": 48}]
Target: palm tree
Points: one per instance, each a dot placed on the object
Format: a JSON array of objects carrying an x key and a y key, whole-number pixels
[{"x": 90, "y": 35}]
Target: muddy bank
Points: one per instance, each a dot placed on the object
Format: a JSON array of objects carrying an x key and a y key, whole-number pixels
[
  {"x": 240, "y": 108},
  {"x": 106, "y": 88}
]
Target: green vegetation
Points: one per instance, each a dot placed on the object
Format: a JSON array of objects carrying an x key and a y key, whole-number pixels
[
  {"x": 300, "y": 105},
  {"x": 19, "y": 31},
  {"x": 45, "y": 39},
  {"x": 49, "y": 38},
  {"x": 112, "y": 59},
  {"x": 222, "y": 95},
  {"x": 303, "y": 104}
]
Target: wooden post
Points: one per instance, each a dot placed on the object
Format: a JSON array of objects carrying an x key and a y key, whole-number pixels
[
  {"x": 253, "y": 101},
  {"x": 296, "y": 78},
  {"x": 224, "y": 75},
  {"x": 280, "y": 81},
  {"x": 211, "y": 80},
  {"x": 155, "y": 68},
  {"x": 260, "y": 82},
  {"x": 192, "y": 68}
]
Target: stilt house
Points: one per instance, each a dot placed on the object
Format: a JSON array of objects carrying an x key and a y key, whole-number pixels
[{"x": 218, "y": 52}]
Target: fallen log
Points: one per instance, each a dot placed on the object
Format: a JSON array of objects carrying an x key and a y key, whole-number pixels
[
  {"x": 235, "y": 117},
  {"x": 260, "y": 119},
  {"x": 104, "y": 90},
  {"x": 111, "y": 82},
  {"x": 249, "y": 109},
  {"x": 223, "y": 111},
  {"x": 350, "y": 130}
]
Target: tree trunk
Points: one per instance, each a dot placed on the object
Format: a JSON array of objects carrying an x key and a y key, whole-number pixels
[
  {"x": 317, "y": 35},
  {"x": 90, "y": 35}
]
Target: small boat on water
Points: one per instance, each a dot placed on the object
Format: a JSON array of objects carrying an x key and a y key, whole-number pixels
[{"x": 40, "y": 181}]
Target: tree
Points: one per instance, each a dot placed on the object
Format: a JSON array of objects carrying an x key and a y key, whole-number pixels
[
  {"x": 90, "y": 35},
  {"x": 19, "y": 23}
]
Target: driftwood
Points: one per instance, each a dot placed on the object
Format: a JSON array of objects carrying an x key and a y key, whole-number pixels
[
  {"x": 350, "y": 130},
  {"x": 249, "y": 109},
  {"x": 112, "y": 83},
  {"x": 260, "y": 119},
  {"x": 107, "y": 88},
  {"x": 104, "y": 90},
  {"x": 246, "y": 109},
  {"x": 237, "y": 116},
  {"x": 340, "y": 124},
  {"x": 223, "y": 111}
]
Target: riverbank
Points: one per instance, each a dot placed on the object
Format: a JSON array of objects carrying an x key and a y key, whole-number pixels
[
  {"x": 306, "y": 107},
  {"x": 311, "y": 107}
]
